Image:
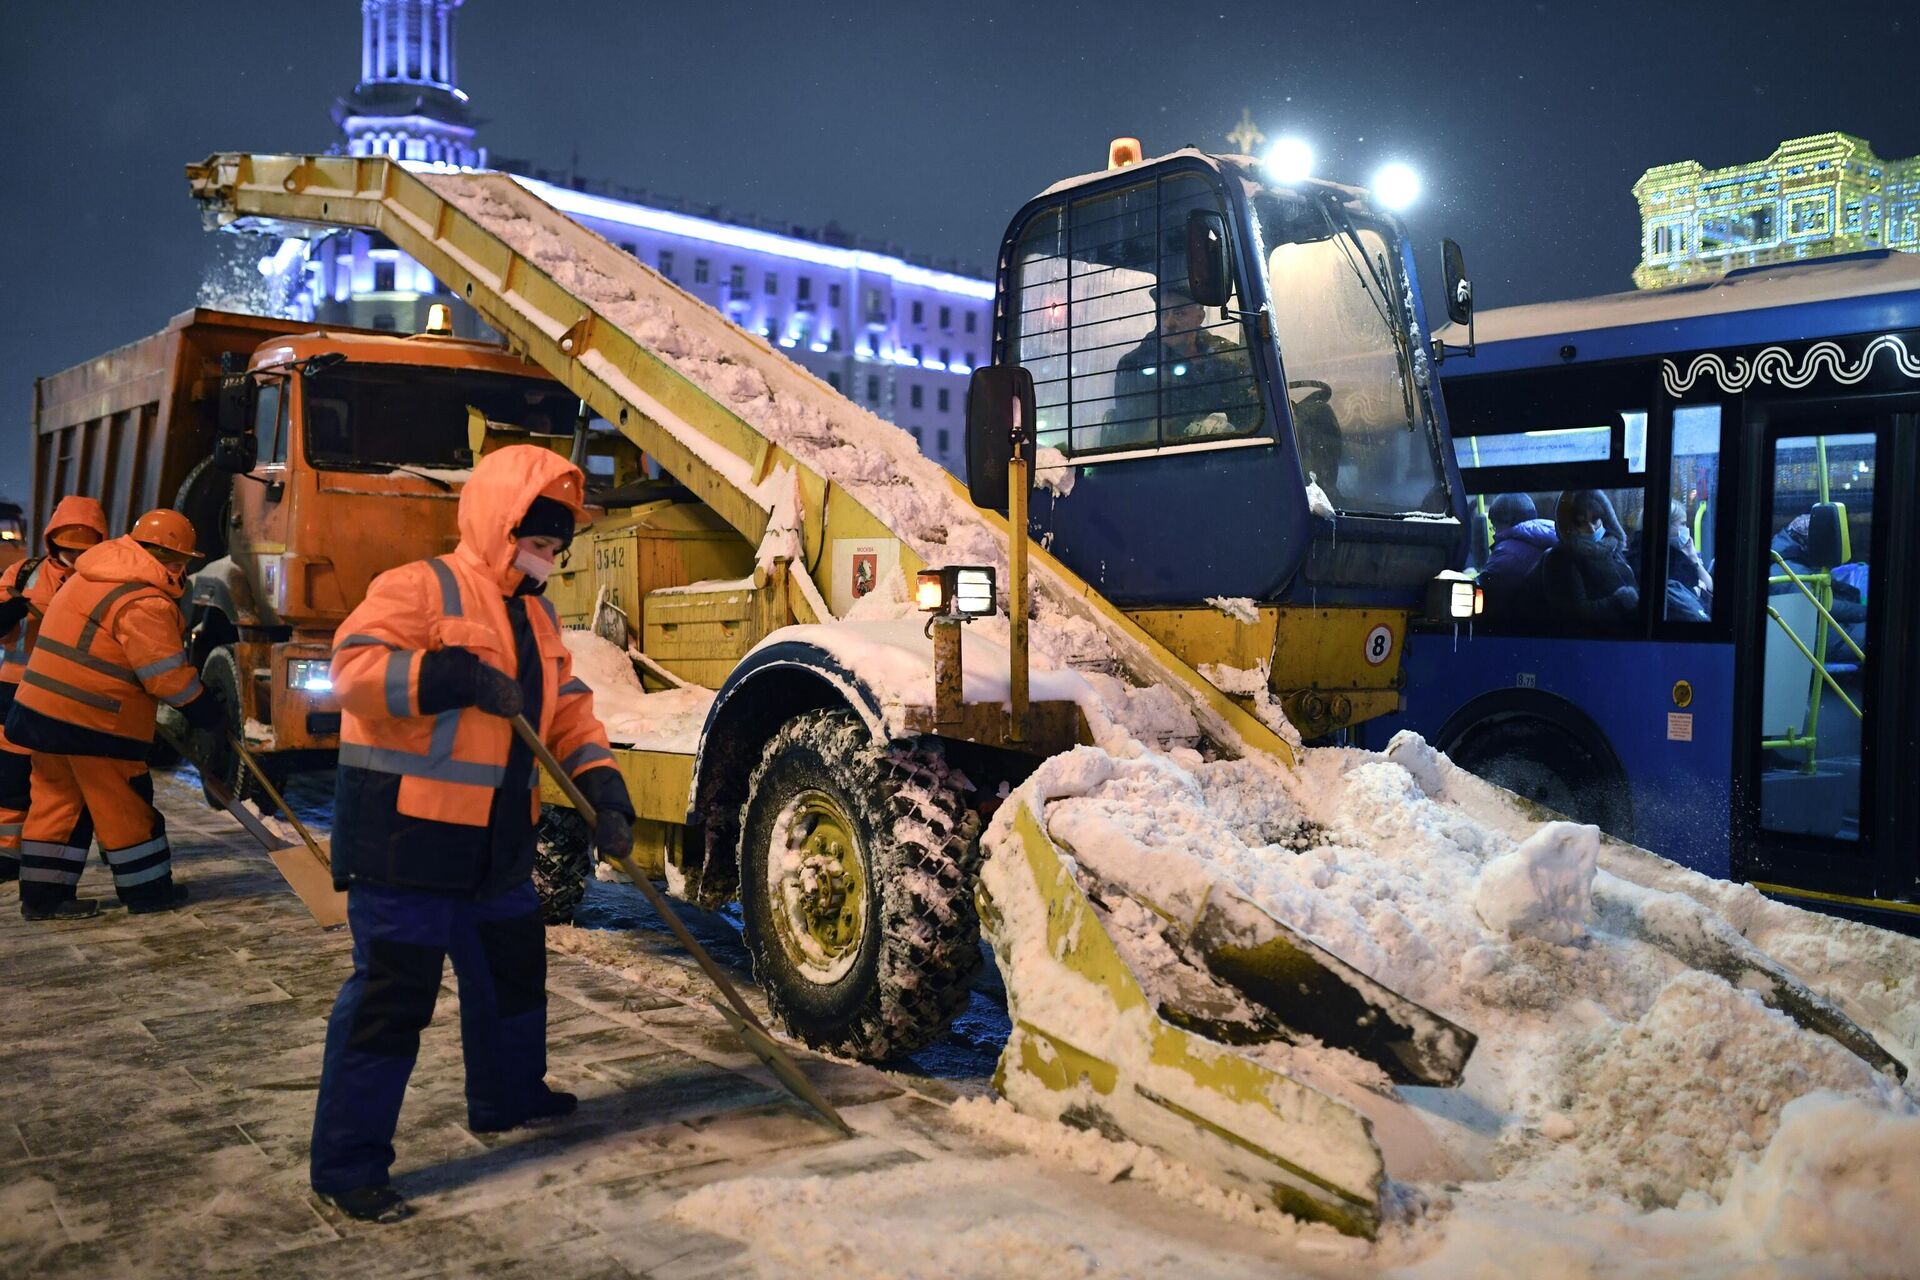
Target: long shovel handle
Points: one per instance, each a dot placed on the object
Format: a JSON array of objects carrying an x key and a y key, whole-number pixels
[
  {"x": 749, "y": 1027},
  {"x": 279, "y": 801}
]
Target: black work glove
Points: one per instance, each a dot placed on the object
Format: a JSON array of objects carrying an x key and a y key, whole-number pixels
[
  {"x": 208, "y": 712},
  {"x": 613, "y": 835},
  {"x": 453, "y": 678},
  {"x": 11, "y": 611}
]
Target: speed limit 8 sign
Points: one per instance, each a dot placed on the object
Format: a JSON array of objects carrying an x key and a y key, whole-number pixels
[{"x": 1379, "y": 645}]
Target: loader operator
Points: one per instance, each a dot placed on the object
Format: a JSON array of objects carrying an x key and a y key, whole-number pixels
[
  {"x": 433, "y": 836},
  {"x": 26, "y": 589},
  {"x": 1189, "y": 380},
  {"x": 111, "y": 647}
]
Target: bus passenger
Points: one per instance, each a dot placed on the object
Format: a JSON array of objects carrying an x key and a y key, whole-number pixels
[
  {"x": 1689, "y": 585},
  {"x": 1520, "y": 538},
  {"x": 1585, "y": 576}
]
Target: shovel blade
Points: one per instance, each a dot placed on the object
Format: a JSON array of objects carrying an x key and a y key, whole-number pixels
[
  {"x": 312, "y": 882},
  {"x": 784, "y": 1068}
]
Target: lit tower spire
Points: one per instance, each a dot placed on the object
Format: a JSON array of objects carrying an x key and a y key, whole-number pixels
[{"x": 407, "y": 103}]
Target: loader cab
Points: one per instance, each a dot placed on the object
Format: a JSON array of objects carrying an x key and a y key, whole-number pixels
[{"x": 1234, "y": 389}]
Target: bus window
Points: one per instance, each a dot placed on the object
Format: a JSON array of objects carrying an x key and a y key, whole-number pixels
[
  {"x": 1694, "y": 486},
  {"x": 1814, "y": 657}
]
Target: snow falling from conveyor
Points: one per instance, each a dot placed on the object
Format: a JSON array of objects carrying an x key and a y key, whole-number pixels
[{"x": 1625, "y": 1110}]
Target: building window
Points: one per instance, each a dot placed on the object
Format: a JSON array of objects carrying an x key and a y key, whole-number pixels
[
  {"x": 737, "y": 279},
  {"x": 943, "y": 399},
  {"x": 943, "y": 357},
  {"x": 914, "y": 398},
  {"x": 833, "y": 295},
  {"x": 803, "y": 289},
  {"x": 973, "y": 319},
  {"x": 833, "y": 380},
  {"x": 915, "y": 433},
  {"x": 666, "y": 263},
  {"x": 700, "y": 270},
  {"x": 833, "y": 340},
  {"x": 876, "y": 310},
  {"x": 383, "y": 277},
  {"x": 946, "y": 317},
  {"x": 873, "y": 389},
  {"x": 773, "y": 282},
  {"x": 919, "y": 313},
  {"x": 944, "y": 441},
  {"x": 916, "y": 353},
  {"x": 629, "y": 248}
]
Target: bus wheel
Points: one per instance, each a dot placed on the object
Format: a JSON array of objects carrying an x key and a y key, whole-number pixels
[
  {"x": 855, "y": 887},
  {"x": 1542, "y": 762},
  {"x": 562, "y": 861}
]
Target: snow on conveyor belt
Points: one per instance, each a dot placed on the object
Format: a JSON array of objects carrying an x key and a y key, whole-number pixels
[{"x": 1625, "y": 1113}]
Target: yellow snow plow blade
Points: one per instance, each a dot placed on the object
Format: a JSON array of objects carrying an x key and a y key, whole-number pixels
[{"x": 1092, "y": 1048}]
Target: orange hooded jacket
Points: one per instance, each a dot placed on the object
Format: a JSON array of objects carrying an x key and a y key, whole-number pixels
[
  {"x": 43, "y": 577},
  {"x": 449, "y": 764},
  {"x": 111, "y": 646}
]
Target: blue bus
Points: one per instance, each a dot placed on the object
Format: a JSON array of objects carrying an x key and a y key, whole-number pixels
[{"x": 1694, "y": 513}]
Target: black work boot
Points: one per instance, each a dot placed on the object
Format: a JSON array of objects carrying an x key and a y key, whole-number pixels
[
  {"x": 172, "y": 900},
  {"x": 550, "y": 1105},
  {"x": 9, "y": 868},
  {"x": 371, "y": 1204},
  {"x": 60, "y": 909}
]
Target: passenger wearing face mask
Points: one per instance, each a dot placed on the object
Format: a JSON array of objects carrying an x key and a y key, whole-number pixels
[
  {"x": 434, "y": 815},
  {"x": 1585, "y": 576},
  {"x": 110, "y": 648},
  {"x": 26, "y": 589}
]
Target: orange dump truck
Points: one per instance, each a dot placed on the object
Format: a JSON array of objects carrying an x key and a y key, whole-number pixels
[{"x": 308, "y": 460}]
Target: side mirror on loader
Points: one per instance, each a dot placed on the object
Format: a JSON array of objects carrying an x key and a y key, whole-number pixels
[
  {"x": 1459, "y": 288},
  {"x": 1000, "y": 413},
  {"x": 1209, "y": 275}
]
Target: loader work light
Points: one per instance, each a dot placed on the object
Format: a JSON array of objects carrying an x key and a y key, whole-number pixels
[
  {"x": 1454, "y": 597},
  {"x": 960, "y": 591},
  {"x": 309, "y": 675}
]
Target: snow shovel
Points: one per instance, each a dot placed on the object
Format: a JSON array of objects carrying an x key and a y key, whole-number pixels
[
  {"x": 307, "y": 870},
  {"x": 741, "y": 1018}
]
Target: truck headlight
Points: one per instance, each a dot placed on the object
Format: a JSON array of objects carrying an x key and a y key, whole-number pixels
[
  {"x": 962, "y": 591},
  {"x": 310, "y": 675}
]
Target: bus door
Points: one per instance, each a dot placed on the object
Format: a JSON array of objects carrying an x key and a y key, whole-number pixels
[{"x": 1824, "y": 685}]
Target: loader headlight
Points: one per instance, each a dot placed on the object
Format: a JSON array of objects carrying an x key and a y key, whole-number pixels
[
  {"x": 961, "y": 591},
  {"x": 1454, "y": 597},
  {"x": 309, "y": 675}
]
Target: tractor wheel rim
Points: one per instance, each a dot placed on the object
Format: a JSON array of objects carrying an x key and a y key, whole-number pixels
[{"x": 817, "y": 875}]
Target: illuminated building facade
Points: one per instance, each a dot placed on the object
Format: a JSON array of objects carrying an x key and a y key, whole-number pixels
[
  {"x": 893, "y": 333},
  {"x": 1813, "y": 197}
]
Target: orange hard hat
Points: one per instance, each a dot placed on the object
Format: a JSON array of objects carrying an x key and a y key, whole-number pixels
[
  {"x": 75, "y": 537},
  {"x": 164, "y": 529},
  {"x": 568, "y": 490}
]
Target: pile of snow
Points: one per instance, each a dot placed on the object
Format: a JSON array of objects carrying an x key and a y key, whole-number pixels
[
  {"x": 669, "y": 720},
  {"x": 1616, "y": 1085}
]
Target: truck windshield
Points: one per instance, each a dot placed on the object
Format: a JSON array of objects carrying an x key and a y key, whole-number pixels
[
  {"x": 1356, "y": 362},
  {"x": 370, "y": 417}
]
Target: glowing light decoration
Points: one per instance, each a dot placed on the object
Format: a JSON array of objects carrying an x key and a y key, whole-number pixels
[
  {"x": 1824, "y": 194},
  {"x": 1396, "y": 186},
  {"x": 1290, "y": 160}
]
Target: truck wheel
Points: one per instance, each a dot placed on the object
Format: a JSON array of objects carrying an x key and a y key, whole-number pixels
[
  {"x": 562, "y": 861},
  {"x": 203, "y": 499},
  {"x": 218, "y": 759},
  {"x": 856, "y": 887},
  {"x": 1549, "y": 766}
]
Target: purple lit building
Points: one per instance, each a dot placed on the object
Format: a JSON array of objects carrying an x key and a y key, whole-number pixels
[{"x": 892, "y": 332}]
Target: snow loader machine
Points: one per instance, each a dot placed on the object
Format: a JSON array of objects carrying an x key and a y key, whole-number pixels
[{"x": 1244, "y": 492}]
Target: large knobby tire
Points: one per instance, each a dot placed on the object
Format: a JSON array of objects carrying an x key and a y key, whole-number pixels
[
  {"x": 562, "y": 862},
  {"x": 856, "y": 887},
  {"x": 203, "y": 498},
  {"x": 221, "y": 673}
]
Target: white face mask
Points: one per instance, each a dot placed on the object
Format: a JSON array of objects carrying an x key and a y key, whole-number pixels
[{"x": 532, "y": 563}]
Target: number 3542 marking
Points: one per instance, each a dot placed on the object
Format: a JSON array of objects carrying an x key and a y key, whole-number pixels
[{"x": 1378, "y": 646}]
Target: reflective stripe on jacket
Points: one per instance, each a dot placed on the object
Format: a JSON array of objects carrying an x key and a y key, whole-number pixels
[
  {"x": 111, "y": 647},
  {"x": 42, "y": 577},
  {"x": 449, "y": 764}
]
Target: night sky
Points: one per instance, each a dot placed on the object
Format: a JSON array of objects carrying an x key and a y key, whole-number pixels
[{"x": 924, "y": 124}]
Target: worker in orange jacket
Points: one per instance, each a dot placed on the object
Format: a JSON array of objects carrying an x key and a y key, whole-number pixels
[
  {"x": 433, "y": 836},
  {"x": 26, "y": 589},
  {"x": 111, "y": 647}
]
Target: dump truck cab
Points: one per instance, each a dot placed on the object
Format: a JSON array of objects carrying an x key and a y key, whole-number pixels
[
  {"x": 1236, "y": 402},
  {"x": 346, "y": 453}
]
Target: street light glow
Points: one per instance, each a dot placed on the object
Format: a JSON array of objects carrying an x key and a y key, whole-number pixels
[
  {"x": 1396, "y": 185},
  {"x": 1290, "y": 160}
]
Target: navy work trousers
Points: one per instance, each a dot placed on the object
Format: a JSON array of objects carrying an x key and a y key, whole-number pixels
[{"x": 401, "y": 938}]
